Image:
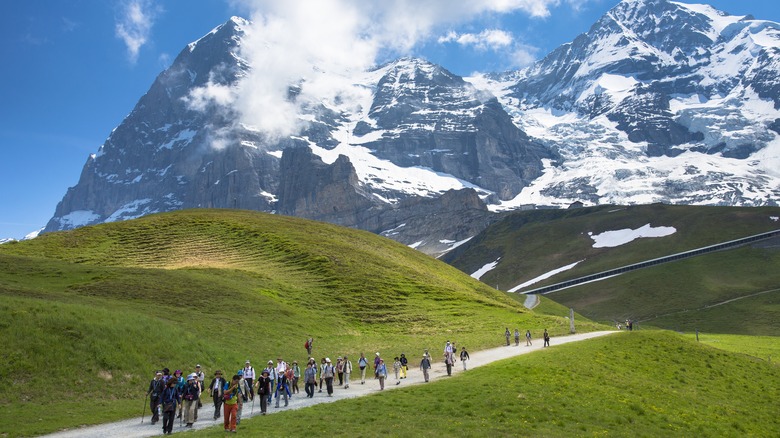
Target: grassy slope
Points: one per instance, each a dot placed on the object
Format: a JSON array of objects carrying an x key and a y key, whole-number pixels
[
  {"x": 89, "y": 314},
  {"x": 643, "y": 384},
  {"x": 671, "y": 295}
]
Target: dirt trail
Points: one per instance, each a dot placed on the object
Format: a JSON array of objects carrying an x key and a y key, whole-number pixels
[{"x": 134, "y": 428}]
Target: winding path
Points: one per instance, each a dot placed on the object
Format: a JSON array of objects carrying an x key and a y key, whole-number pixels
[{"x": 134, "y": 428}]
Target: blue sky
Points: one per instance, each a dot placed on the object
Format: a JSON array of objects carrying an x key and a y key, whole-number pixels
[{"x": 72, "y": 70}]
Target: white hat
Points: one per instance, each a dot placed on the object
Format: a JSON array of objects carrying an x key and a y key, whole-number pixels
[
  {"x": 247, "y": 361},
  {"x": 327, "y": 359},
  {"x": 192, "y": 376},
  {"x": 377, "y": 353}
]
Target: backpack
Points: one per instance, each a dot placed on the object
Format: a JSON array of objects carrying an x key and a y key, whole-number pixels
[{"x": 306, "y": 345}]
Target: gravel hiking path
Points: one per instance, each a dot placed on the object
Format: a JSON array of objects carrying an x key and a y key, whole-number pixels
[{"x": 134, "y": 428}]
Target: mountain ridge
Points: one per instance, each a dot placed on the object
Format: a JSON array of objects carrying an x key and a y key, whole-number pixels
[{"x": 631, "y": 112}]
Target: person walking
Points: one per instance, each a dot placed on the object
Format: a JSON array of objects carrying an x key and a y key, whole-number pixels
[
  {"x": 449, "y": 361},
  {"x": 309, "y": 345},
  {"x": 272, "y": 376},
  {"x": 397, "y": 370},
  {"x": 310, "y": 379},
  {"x": 296, "y": 370},
  {"x": 263, "y": 388},
  {"x": 328, "y": 373},
  {"x": 507, "y": 334},
  {"x": 546, "y": 338},
  {"x": 381, "y": 373},
  {"x": 377, "y": 359},
  {"x": 464, "y": 356},
  {"x": 217, "y": 389},
  {"x": 282, "y": 389},
  {"x": 232, "y": 395},
  {"x": 322, "y": 371},
  {"x": 363, "y": 364},
  {"x": 404, "y": 365},
  {"x": 340, "y": 370},
  {"x": 425, "y": 365},
  {"x": 180, "y": 383},
  {"x": 517, "y": 338},
  {"x": 156, "y": 387},
  {"x": 249, "y": 377},
  {"x": 347, "y": 371},
  {"x": 528, "y": 342},
  {"x": 244, "y": 395},
  {"x": 169, "y": 399},
  {"x": 190, "y": 398},
  {"x": 201, "y": 378}
]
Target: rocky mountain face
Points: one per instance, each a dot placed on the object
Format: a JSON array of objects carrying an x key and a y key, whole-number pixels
[{"x": 658, "y": 102}]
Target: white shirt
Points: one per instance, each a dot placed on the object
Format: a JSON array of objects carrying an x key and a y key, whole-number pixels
[{"x": 249, "y": 372}]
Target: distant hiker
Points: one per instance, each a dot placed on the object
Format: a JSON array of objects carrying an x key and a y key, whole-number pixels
[
  {"x": 201, "y": 378},
  {"x": 630, "y": 325},
  {"x": 347, "y": 371},
  {"x": 272, "y": 376},
  {"x": 190, "y": 399},
  {"x": 363, "y": 364},
  {"x": 328, "y": 372},
  {"x": 528, "y": 342},
  {"x": 447, "y": 348},
  {"x": 249, "y": 377},
  {"x": 217, "y": 389},
  {"x": 464, "y": 356},
  {"x": 508, "y": 335},
  {"x": 322, "y": 370},
  {"x": 397, "y": 370},
  {"x": 169, "y": 398},
  {"x": 282, "y": 389},
  {"x": 340, "y": 370},
  {"x": 244, "y": 395},
  {"x": 154, "y": 393},
  {"x": 404, "y": 365},
  {"x": 517, "y": 337},
  {"x": 180, "y": 383},
  {"x": 310, "y": 379},
  {"x": 377, "y": 359},
  {"x": 309, "y": 345},
  {"x": 546, "y": 338},
  {"x": 231, "y": 396},
  {"x": 296, "y": 370},
  {"x": 263, "y": 387},
  {"x": 449, "y": 361},
  {"x": 381, "y": 373},
  {"x": 425, "y": 365}
]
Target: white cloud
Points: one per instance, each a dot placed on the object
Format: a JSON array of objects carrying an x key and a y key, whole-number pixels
[
  {"x": 492, "y": 39},
  {"x": 318, "y": 45},
  {"x": 134, "y": 25}
]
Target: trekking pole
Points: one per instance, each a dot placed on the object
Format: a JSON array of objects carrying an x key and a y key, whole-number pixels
[{"x": 143, "y": 412}]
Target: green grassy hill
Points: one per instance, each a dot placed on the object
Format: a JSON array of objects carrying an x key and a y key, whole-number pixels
[
  {"x": 645, "y": 384},
  {"x": 87, "y": 315},
  {"x": 683, "y": 295}
]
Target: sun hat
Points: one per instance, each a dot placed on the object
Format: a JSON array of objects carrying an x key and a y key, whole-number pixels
[
  {"x": 240, "y": 372},
  {"x": 327, "y": 359}
]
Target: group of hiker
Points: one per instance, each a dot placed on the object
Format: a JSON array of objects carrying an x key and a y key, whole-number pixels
[
  {"x": 176, "y": 396},
  {"x": 528, "y": 343}
]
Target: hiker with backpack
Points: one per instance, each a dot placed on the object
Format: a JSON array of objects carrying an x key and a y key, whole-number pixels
[
  {"x": 263, "y": 388},
  {"x": 296, "y": 375},
  {"x": 190, "y": 398},
  {"x": 156, "y": 387},
  {"x": 282, "y": 389},
  {"x": 464, "y": 356},
  {"x": 272, "y": 377},
  {"x": 528, "y": 342},
  {"x": 404, "y": 365},
  {"x": 381, "y": 373},
  {"x": 546, "y": 338},
  {"x": 169, "y": 399},
  {"x": 310, "y": 378},
  {"x": 507, "y": 335},
  {"x": 347, "y": 371},
  {"x": 425, "y": 365},
  {"x": 231, "y": 396},
  {"x": 340, "y": 370},
  {"x": 397, "y": 370},
  {"x": 243, "y": 395},
  {"x": 363, "y": 364},
  {"x": 309, "y": 345},
  {"x": 327, "y": 373},
  {"x": 249, "y": 377},
  {"x": 180, "y": 383},
  {"x": 217, "y": 389},
  {"x": 517, "y": 338}
]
